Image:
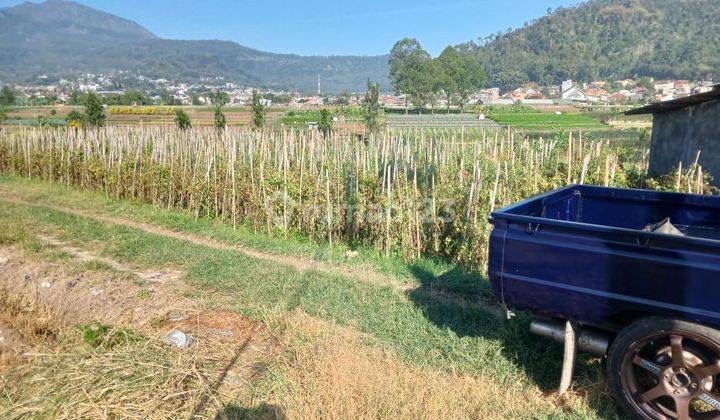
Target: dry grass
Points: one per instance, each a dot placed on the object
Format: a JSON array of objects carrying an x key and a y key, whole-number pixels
[
  {"x": 139, "y": 377},
  {"x": 336, "y": 373},
  {"x": 24, "y": 323},
  {"x": 128, "y": 372}
]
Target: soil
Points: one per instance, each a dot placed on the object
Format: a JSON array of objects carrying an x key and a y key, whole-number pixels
[{"x": 10, "y": 342}]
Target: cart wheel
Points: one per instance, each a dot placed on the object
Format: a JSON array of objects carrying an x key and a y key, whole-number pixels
[{"x": 666, "y": 369}]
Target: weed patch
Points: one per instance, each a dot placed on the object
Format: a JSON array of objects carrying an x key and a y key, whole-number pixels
[{"x": 101, "y": 335}]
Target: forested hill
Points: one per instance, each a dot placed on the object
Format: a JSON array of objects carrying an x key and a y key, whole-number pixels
[
  {"x": 61, "y": 38},
  {"x": 610, "y": 39}
]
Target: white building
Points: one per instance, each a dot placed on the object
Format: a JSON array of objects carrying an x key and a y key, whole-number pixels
[{"x": 574, "y": 94}]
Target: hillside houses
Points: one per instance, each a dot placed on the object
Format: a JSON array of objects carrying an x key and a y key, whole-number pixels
[
  {"x": 596, "y": 94},
  {"x": 573, "y": 93},
  {"x": 623, "y": 91}
]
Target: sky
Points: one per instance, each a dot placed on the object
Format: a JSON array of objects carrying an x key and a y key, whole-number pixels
[{"x": 323, "y": 27}]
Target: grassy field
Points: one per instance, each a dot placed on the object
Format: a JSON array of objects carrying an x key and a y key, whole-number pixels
[
  {"x": 348, "y": 344},
  {"x": 549, "y": 121},
  {"x": 628, "y": 133}
]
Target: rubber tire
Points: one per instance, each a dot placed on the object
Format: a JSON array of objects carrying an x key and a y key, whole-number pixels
[{"x": 637, "y": 330}]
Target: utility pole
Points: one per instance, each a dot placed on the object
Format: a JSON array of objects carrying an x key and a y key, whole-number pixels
[{"x": 318, "y": 91}]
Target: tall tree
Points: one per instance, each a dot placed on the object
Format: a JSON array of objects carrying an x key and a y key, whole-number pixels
[
  {"x": 167, "y": 97},
  {"x": 449, "y": 60},
  {"x": 94, "y": 115},
  {"x": 462, "y": 74},
  {"x": 219, "y": 100},
  {"x": 258, "y": 109},
  {"x": 433, "y": 81},
  {"x": 325, "y": 123},
  {"x": 372, "y": 110},
  {"x": 410, "y": 72},
  {"x": 7, "y": 96},
  {"x": 134, "y": 97}
]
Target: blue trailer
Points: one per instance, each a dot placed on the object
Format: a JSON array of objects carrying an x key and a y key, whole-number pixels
[{"x": 636, "y": 269}]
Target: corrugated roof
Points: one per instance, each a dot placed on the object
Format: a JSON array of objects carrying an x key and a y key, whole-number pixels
[{"x": 665, "y": 106}]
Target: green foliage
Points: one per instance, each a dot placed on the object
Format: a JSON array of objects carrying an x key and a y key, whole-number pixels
[
  {"x": 546, "y": 121},
  {"x": 182, "y": 119},
  {"x": 3, "y": 115},
  {"x": 300, "y": 117},
  {"x": 144, "y": 294},
  {"x": 101, "y": 335},
  {"x": 219, "y": 100},
  {"x": 74, "y": 119},
  {"x": 277, "y": 99},
  {"x": 411, "y": 71},
  {"x": 372, "y": 110},
  {"x": 133, "y": 97},
  {"x": 258, "y": 110},
  {"x": 517, "y": 108},
  {"x": 7, "y": 96},
  {"x": 460, "y": 75},
  {"x": 219, "y": 121},
  {"x": 75, "y": 98},
  {"x": 167, "y": 97},
  {"x": 325, "y": 124},
  {"x": 94, "y": 115},
  {"x": 140, "y": 110},
  {"x": 422, "y": 79},
  {"x": 608, "y": 39}
]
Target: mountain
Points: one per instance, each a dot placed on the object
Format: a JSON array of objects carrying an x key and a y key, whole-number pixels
[
  {"x": 47, "y": 37},
  {"x": 609, "y": 39},
  {"x": 64, "y": 38}
]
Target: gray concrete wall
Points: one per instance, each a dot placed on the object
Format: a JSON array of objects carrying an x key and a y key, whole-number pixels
[{"x": 678, "y": 135}]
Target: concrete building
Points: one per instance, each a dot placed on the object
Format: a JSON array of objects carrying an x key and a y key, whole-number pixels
[
  {"x": 574, "y": 94},
  {"x": 682, "y": 128}
]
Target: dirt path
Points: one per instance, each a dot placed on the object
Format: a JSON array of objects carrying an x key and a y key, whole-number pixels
[
  {"x": 296, "y": 263},
  {"x": 161, "y": 276}
]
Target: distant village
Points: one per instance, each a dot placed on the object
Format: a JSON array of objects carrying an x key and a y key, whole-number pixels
[{"x": 599, "y": 92}]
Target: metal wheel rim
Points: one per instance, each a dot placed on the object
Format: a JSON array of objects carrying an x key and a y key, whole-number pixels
[{"x": 676, "y": 388}]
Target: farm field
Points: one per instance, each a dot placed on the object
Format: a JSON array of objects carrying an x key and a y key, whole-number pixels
[
  {"x": 128, "y": 115},
  {"x": 321, "y": 276},
  {"x": 548, "y": 121},
  {"x": 626, "y": 132},
  {"x": 437, "y": 121}
]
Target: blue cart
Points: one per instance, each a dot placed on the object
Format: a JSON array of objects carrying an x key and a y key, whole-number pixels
[{"x": 631, "y": 273}]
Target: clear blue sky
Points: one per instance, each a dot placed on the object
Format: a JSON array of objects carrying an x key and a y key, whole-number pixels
[{"x": 325, "y": 27}]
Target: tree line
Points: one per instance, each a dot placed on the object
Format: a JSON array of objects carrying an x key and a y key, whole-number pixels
[
  {"x": 93, "y": 114},
  {"x": 423, "y": 80}
]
